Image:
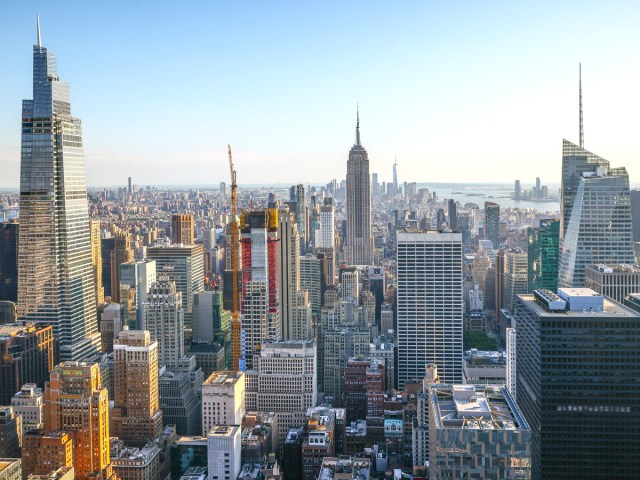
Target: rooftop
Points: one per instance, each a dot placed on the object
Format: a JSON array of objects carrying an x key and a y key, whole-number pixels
[
  {"x": 467, "y": 407},
  {"x": 614, "y": 268},
  {"x": 223, "y": 378},
  {"x": 609, "y": 308},
  {"x": 223, "y": 430},
  {"x": 344, "y": 468}
]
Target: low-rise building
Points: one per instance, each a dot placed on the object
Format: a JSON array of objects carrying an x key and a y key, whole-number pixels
[
  {"x": 135, "y": 463},
  {"x": 345, "y": 468},
  {"x": 477, "y": 432},
  {"x": 10, "y": 469},
  {"x": 29, "y": 404}
]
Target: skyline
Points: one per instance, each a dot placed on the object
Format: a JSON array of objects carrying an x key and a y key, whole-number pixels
[{"x": 406, "y": 112}]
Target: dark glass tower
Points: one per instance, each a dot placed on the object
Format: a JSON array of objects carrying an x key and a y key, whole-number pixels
[
  {"x": 9, "y": 261},
  {"x": 577, "y": 371},
  {"x": 55, "y": 274},
  {"x": 543, "y": 253},
  {"x": 492, "y": 223}
]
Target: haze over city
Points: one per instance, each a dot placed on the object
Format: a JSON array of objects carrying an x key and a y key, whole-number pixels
[{"x": 449, "y": 89}]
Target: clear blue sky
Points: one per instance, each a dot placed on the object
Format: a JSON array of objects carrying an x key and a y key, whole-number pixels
[{"x": 459, "y": 91}]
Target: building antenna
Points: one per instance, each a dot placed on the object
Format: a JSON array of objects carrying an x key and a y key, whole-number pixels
[
  {"x": 39, "y": 38},
  {"x": 580, "y": 94},
  {"x": 358, "y": 124}
]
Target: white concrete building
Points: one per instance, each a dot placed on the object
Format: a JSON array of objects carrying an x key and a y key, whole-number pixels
[
  {"x": 224, "y": 445},
  {"x": 223, "y": 400}
]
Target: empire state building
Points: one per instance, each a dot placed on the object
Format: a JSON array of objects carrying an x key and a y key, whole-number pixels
[
  {"x": 358, "y": 248},
  {"x": 55, "y": 276}
]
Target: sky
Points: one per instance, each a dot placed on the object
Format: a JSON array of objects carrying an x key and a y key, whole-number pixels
[{"x": 457, "y": 91}]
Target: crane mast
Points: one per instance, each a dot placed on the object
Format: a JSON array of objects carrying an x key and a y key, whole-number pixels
[{"x": 235, "y": 314}]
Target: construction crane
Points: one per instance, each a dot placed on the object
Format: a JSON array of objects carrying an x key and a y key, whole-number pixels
[{"x": 235, "y": 314}]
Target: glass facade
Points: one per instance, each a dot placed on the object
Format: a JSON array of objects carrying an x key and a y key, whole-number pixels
[
  {"x": 543, "y": 255},
  {"x": 56, "y": 284},
  {"x": 577, "y": 382}
]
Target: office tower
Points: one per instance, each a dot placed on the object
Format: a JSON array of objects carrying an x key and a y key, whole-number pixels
[
  {"x": 492, "y": 223},
  {"x": 9, "y": 261},
  {"x": 227, "y": 275},
  {"x": 182, "y": 229},
  {"x": 453, "y": 214},
  {"x": 107, "y": 244},
  {"x": 341, "y": 344},
  {"x": 510, "y": 379},
  {"x": 517, "y": 191},
  {"x": 359, "y": 242},
  {"x": 223, "y": 400},
  {"x": 441, "y": 219},
  {"x": 582, "y": 407},
  {"x": 320, "y": 442},
  {"x": 185, "y": 266},
  {"x": 136, "y": 279},
  {"x": 210, "y": 321},
  {"x": 10, "y": 433},
  {"x": 459, "y": 447},
  {"x": 26, "y": 356},
  {"x": 327, "y": 224},
  {"x": 283, "y": 380},
  {"x": 635, "y": 215},
  {"x": 224, "y": 448},
  {"x": 29, "y": 404},
  {"x": 96, "y": 259},
  {"x": 498, "y": 281},
  {"x": 543, "y": 255},
  {"x": 260, "y": 304},
  {"x": 314, "y": 226},
  {"x": 598, "y": 228},
  {"x": 311, "y": 281},
  {"x": 464, "y": 226},
  {"x": 292, "y": 454},
  {"x": 350, "y": 284},
  {"x": 298, "y": 203},
  {"x": 55, "y": 277},
  {"x": 420, "y": 426},
  {"x": 164, "y": 319},
  {"x": 537, "y": 192},
  {"x": 354, "y": 388},
  {"x": 76, "y": 402},
  {"x": 375, "y": 185},
  {"x": 515, "y": 278},
  {"x": 110, "y": 326},
  {"x": 289, "y": 268},
  {"x": 395, "y": 176},
  {"x": 613, "y": 281},
  {"x": 179, "y": 402},
  {"x": 136, "y": 417},
  {"x": 429, "y": 300},
  {"x": 122, "y": 253},
  {"x": 129, "y": 189},
  {"x": 377, "y": 286},
  {"x": 8, "y": 312},
  {"x": 302, "y": 318}
]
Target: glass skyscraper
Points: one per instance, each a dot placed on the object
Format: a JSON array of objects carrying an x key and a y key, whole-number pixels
[
  {"x": 55, "y": 274},
  {"x": 543, "y": 253},
  {"x": 596, "y": 212}
]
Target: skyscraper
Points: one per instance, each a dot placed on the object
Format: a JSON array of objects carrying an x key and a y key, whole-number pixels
[
  {"x": 164, "y": 319},
  {"x": 395, "y": 177},
  {"x": 492, "y": 223},
  {"x": 9, "y": 261},
  {"x": 55, "y": 275},
  {"x": 359, "y": 242},
  {"x": 517, "y": 191},
  {"x": 429, "y": 304},
  {"x": 576, "y": 374},
  {"x": 122, "y": 253},
  {"x": 543, "y": 254},
  {"x": 453, "y": 214},
  {"x": 289, "y": 269},
  {"x": 260, "y": 303},
  {"x": 182, "y": 229},
  {"x": 596, "y": 215},
  {"x": 96, "y": 260},
  {"x": 136, "y": 417},
  {"x": 76, "y": 402}
]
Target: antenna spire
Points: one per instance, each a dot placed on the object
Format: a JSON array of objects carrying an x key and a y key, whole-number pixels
[
  {"x": 358, "y": 124},
  {"x": 580, "y": 95},
  {"x": 39, "y": 37}
]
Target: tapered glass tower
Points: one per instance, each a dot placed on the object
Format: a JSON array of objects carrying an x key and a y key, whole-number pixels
[
  {"x": 55, "y": 275},
  {"x": 359, "y": 244}
]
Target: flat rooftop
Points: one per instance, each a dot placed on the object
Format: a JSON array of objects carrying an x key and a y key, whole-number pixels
[
  {"x": 610, "y": 308},
  {"x": 468, "y": 407},
  {"x": 223, "y": 378}
]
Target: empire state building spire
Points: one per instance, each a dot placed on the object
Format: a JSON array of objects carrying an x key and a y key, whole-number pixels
[{"x": 358, "y": 125}]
